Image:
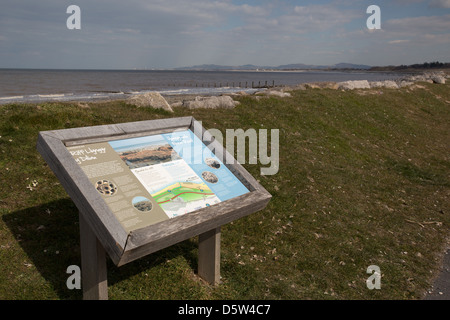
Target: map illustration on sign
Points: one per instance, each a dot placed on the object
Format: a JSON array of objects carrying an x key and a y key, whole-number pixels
[
  {"x": 150, "y": 179},
  {"x": 165, "y": 166}
]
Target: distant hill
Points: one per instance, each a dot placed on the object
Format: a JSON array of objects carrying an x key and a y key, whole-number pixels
[
  {"x": 297, "y": 66},
  {"x": 414, "y": 67}
]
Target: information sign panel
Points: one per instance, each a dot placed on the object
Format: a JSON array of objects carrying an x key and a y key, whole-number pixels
[
  {"x": 153, "y": 178},
  {"x": 143, "y": 186}
]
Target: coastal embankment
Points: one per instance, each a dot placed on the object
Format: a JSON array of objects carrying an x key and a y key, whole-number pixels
[
  {"x": 363, "y": 180},
  {"x": 225, "y": 100}
]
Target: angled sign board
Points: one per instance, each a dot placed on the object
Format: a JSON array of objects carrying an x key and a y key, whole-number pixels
[{"x": 143, "y": 186}]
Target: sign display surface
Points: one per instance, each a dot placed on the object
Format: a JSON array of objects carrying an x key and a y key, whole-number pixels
[{"x": 146, "y": 180}]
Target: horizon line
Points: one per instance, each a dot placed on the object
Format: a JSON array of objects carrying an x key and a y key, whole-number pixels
[{"x": 230, "y": 68}]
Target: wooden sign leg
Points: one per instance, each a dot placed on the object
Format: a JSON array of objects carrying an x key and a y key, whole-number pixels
[
  {"x": 209, "y": 256},
  {"x": 93, "y": 264}
]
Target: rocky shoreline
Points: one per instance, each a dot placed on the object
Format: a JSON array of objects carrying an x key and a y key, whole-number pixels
[
  {"x": 430, "y": 77},
  {"x": 168, "y": 102}
]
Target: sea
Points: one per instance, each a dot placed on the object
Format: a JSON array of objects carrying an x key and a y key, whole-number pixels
[{"x": 33, "y": 85}]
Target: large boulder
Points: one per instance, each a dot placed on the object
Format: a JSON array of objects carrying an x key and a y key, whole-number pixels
[
  {"x": 214, "y": 102},
  {"x": 440, "y": 79},
  {"x": 352, "y": 85},
  {"x": 389, "y": 84},
  {"x": 150, "y": 99}
]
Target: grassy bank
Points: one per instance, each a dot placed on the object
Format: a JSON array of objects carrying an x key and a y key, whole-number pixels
[{"x": 364, "y": 180}]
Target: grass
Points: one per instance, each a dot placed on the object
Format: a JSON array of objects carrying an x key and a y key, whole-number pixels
[{"x": 364, "y": 180}]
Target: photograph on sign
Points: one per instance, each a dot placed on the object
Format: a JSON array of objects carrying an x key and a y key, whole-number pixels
[{"x": 149, "y": 179}]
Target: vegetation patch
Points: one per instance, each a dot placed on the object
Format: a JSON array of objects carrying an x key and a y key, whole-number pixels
[{"x": 364, "y": 180}]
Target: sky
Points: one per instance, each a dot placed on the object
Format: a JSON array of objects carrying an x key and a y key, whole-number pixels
[{"x": 161, "y": 34}]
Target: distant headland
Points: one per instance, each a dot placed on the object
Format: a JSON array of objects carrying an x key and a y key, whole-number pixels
[{"x": 305, "y": 67}]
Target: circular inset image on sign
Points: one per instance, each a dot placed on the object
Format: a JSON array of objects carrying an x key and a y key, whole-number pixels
[
  {"x": 106, "y": 187},
  {"x": 209, "y": 177},
  {"x": 213, "y": 163},
  {"x": 142, "y": 204}
]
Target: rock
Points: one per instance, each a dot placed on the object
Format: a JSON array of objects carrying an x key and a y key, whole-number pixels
[
  {"x": 330, "y": 85},
  {"x": 238, "y": 94},
  {"x": 376, "y": 84},
  {"x": 405, "y": 83},
  {"x": 300, "y": 87},
  {"x": 420, "y": 77},
  {"x": 323, "y": 85},
  {"x": 352, "y": 85},
  {"x": 388, "y": 84},
  {"x": 312, "y": 86},
  {"x": 278, "y": 93},
  {"x": 439, "y": 79},
  {"x": 275, "y": 93},
  {"x": 225, "y": 102},
  {"x": 287, "y": 89},
  {"x": 177, "y": 104},
  {"x": 150, "y": 99},
  {"x": 430, "y": 77}
]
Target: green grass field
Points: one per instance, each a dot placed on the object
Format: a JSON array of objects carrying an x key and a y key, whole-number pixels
[{"x": 364, "y": 180}]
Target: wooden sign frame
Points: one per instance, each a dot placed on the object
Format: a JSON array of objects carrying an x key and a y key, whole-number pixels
[{"x": 101, "y": 232}]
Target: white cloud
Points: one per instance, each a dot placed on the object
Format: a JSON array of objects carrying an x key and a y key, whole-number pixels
[
  {"x": 419, "y": 25},
  {"x": 440, "y": 3},
  {"x": 408, "y": 1},
  {"x": 398, "y": 41},
  {"x": 300, "y": 20}
]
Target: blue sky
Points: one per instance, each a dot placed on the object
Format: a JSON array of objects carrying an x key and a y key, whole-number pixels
[{"x": 173, "y": 33}]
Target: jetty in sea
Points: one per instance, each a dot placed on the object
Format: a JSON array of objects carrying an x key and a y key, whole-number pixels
[{"x": 242, "y": 84}]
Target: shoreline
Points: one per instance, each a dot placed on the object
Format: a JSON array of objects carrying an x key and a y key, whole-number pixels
[{"x": 190, "y": 93}]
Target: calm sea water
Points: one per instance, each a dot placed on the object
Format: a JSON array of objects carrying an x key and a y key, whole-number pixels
[{"x": 20, "y": 85}]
